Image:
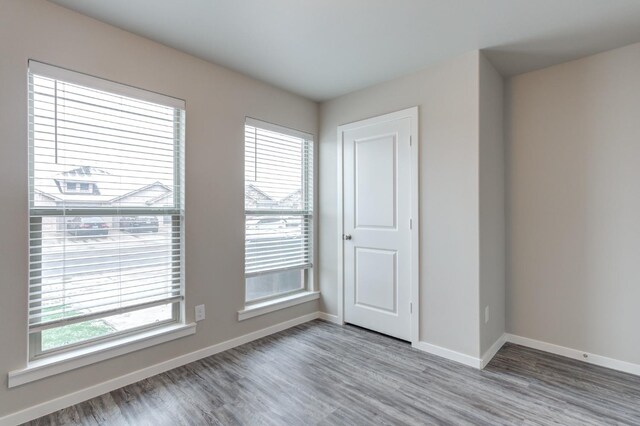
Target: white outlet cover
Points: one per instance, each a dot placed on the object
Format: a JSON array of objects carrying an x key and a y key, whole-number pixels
[{"x": 200, "y": 312}]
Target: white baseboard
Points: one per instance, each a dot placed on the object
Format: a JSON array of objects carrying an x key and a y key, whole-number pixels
[
  {"x": 602, "y": 361},
  {"x": 116, "y": 383},
  {"x": 329, "y": 318},
  {"x": 492, "y": 351},
  {"x": 465, "y": 359},
  {"x": 481, "y": 363},
  {"x": 449, "y": 354}
]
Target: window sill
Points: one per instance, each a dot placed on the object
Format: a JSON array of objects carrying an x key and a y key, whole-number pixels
[
  {"x": 277, "y": 304},
  {"x": 56, "y": 364}
]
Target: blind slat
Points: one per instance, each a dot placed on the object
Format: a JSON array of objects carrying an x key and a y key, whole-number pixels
[
  {"x": 94, "y": 270},
  {"x": 60, "y": 287},
  {"x": 99, "y": 296}
]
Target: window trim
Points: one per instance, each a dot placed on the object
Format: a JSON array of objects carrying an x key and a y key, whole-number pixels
[
  {"x": 81, "y": 357},
  {"x": 35, "y": 341},
  {"x": 254, "y": 122},
  {"x": 51, "y": 71},
  {"x": 276, "y": 304},
  {"x": 281, "y": 300},
  {"x": 36, "y": 356}
]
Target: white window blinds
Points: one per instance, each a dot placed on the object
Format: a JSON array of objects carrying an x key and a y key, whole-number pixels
[
  {"x": 278, "y": 198},
  {"x": 106, "y": 199}
]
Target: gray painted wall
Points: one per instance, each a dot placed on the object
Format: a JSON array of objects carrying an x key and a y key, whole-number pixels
[
  {"x": 492, "y": 206},
  {"x": 573, "y": 139},
  {"x": 217, "y": 102},
  {"x": 447, "y": 97}
]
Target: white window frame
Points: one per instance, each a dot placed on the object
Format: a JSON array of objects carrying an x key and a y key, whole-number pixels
[
  {"x": 176, "y": 324},
  {"x": 307, "y": 291}
]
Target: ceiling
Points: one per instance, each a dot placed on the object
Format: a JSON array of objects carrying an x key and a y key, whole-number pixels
[{"x": 325, "y": 48}]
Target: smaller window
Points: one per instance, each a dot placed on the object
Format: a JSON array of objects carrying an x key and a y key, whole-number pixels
[
  {"x": 278, "y": 211},
  {"x": 84, "y": 187},
  {"x": 71, "y": 186}
]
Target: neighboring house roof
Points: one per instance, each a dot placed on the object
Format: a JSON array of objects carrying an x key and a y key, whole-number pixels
[
  {"x": 47, "y": 195},
  {"x": 292, "y": 200},
  {"x": 256, "y": 193},
  {"x": 88, "y": 173},
  {"x": 254, "y": 197},
  {"x": 106, "y": 191},
  {"x": 155, "y": 184},
  {"x": 82, "y": 174},
  {"x": 159, "y": 199}
]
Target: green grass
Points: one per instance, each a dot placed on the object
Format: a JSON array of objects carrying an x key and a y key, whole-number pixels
[{"x": 72, "y": 333}]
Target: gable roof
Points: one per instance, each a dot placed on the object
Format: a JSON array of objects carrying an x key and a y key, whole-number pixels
[{"x": 107, "y": 192}]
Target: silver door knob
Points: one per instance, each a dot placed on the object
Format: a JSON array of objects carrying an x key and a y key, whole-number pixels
[{"x": 347, "y": 237}]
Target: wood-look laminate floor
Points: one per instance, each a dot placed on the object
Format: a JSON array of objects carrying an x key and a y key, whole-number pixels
[{"x": 323, "y": 374}]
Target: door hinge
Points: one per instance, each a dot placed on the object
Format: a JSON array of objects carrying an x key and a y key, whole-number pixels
[
  {"x": 410, "y": 223},
  {"x": 410, "y": 307},
  {"x": 410, "y": 140}
]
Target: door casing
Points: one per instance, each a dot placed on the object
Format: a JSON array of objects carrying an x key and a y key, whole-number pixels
[{"x": 412, "y": 114}]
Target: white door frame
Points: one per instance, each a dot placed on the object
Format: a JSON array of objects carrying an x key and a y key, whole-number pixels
[{"x": 412, "y": 114}]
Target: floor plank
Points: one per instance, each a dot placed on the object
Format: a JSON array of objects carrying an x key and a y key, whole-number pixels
[{"x": 323, "y": 374}]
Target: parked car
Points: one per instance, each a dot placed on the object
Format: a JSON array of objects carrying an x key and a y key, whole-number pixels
[
  {"x": 87, "y": 226},
  {"x": 139, "y": 224},
  {"x": 269, "y": 228}
]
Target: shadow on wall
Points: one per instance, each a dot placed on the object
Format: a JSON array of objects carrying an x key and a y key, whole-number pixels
[{"x": 526, "y": 55}]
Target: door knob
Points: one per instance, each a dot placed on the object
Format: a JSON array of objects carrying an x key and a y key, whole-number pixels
[{"x": 347, "y": 237}]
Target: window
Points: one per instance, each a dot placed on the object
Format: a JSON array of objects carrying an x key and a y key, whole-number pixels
[
  {"x": 278, "y": 210},
  {"x": 105, "y": 170},
  {"x": 78, "y": 187}
]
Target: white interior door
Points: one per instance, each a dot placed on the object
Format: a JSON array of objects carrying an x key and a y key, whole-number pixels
[{"x": 377, "y": 225}]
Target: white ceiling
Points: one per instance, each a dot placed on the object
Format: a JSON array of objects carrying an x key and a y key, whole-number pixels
[{"x": 325, "y": 48}]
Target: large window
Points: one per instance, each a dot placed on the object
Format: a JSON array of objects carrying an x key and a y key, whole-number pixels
[
  {"x": 278, "y": 210},
  {"x": 106, "y": 209}
]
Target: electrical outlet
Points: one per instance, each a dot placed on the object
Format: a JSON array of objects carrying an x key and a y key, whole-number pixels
[
  {"x": 200, "y": 313},
  {"x": 486, "y": 314}
]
